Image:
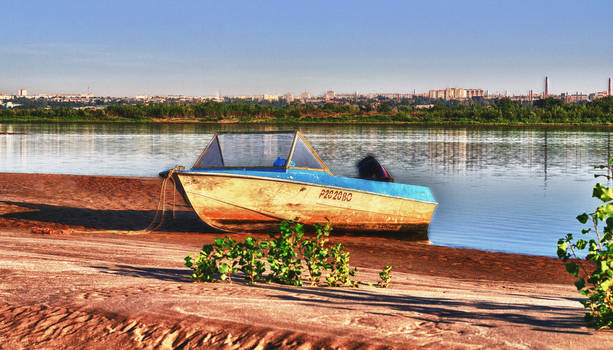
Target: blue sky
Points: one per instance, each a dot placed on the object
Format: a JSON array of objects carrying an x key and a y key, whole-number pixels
[{"x": 127, "y": 48}]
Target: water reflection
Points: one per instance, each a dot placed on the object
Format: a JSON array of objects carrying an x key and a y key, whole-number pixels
[{"x": 514, "y": 190}]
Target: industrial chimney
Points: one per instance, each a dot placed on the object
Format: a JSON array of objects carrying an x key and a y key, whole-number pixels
[
  {"x": 546, "y": 86},
  {"x": 609, "y": 86}
]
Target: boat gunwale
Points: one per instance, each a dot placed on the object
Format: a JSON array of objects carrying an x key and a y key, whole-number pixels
[{"x": 204, "y": 173}]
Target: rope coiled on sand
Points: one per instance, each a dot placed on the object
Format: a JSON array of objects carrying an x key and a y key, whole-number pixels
[{"x": 158, "y": 218}]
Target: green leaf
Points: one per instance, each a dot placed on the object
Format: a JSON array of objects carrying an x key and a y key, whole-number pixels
[
  {"x": 603, "y": 193},
  {"x": 219, "y": 242},
  {"x": 606, "y": 285},
  {"x": 593, "y": 246},
  {"x": 223, "y": 268},
  {"x": 580, "y": 283},
  {"x": 604, "y": 266},
  {"x": 228, "y": 241},
  {"x": 572, "y": 268},
  {"x": 594, "y": 278},
  {"x": 583, "y": 218},
  {"x": 604, "y": 211},
  {"x": 562, "y": 248},
  {"x": 581, "y": 244}
]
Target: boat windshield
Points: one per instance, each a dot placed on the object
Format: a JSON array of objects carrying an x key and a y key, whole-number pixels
[{"x": 258, "y": 150}]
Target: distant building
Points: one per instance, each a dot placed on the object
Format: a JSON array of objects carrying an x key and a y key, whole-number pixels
[
  {"x": 455, "y": 93},
  {"x": 452, "y": 94},
  {"x": 470, "y": 93},
  {"x": 330, "y": 95},
  {"x": 270, "y": 98},
  {"x": 22, "y": 93},
  {"x": 597, "y": 95},
  {"x": 576, "y": 97},
  {"x": 288, "y": 97}
]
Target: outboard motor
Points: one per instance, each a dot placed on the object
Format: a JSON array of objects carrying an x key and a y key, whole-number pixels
[{"x": 369, "y": 168}]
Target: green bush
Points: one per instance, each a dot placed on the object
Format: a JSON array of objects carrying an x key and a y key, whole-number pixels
[
  {"x": 340, "y": 271},
  {"x": 226, "y": 254},
  {"x": 250, "y": 261},
  {"x": 283, "y": 254},
  {"x": 225, "y": 257},
  {"x": 385, "y": 277},
  {"x": 204, "y": 265},
  {"x": 315, "y": 253},
  {"x": 595, "y": 272}
]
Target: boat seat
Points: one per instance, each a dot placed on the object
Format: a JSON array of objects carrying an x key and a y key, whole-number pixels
[{"x": 281, "y": 162}]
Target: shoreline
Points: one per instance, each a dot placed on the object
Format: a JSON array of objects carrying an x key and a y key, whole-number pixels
[
  {"x": 313, "y": 123},
  {"x": 84, "y": 203},
  {"x": 92, "y": 281},
  {"x": 153, "y": 181}
]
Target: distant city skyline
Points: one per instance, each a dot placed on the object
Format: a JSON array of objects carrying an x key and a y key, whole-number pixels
[
  {"x": 195, "y": 48},
  {"x": 448, "y": 93}
]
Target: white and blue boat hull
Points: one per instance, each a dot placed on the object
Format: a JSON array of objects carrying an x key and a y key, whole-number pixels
[{"x": 252, "y": 200}]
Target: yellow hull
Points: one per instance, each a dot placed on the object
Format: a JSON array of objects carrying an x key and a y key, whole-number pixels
[{"x": 253, "y": 204}]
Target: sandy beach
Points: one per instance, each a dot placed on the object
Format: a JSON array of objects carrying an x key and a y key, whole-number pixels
[{"x": 92, "y": 284}]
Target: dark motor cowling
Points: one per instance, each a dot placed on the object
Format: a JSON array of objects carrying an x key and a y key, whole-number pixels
[{"x": 369, "y": 168}]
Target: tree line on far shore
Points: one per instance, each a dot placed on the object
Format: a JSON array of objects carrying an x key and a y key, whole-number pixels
[{"x": 500, "y": 111}]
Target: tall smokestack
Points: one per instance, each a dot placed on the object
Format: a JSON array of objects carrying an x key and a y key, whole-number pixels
[
  {"x": 609, "y": 86},
  {"x": 546, "y": 86}
]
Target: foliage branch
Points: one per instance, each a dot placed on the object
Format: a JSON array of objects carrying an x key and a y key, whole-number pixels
[{"x": 595, "y": 272}]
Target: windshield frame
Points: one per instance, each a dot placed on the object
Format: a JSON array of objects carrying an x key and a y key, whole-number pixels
[{"x": 297, "y": 135}]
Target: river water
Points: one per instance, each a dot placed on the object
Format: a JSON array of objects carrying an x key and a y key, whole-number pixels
[{"x": 500, "y": 189}]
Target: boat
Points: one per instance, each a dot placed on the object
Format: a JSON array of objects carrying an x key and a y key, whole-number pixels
[{"x": 250, "y": 181}]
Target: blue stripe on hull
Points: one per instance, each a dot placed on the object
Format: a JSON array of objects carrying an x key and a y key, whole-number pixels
[{"x": 419, "y": 193}]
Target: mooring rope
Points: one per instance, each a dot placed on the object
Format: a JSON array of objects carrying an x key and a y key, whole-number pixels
[
  {"x": 158, "y": 218},
  {"x": 161, "y": 207}
]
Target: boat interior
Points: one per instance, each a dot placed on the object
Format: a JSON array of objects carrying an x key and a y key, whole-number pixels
[{"x": 279, "y": 150}]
